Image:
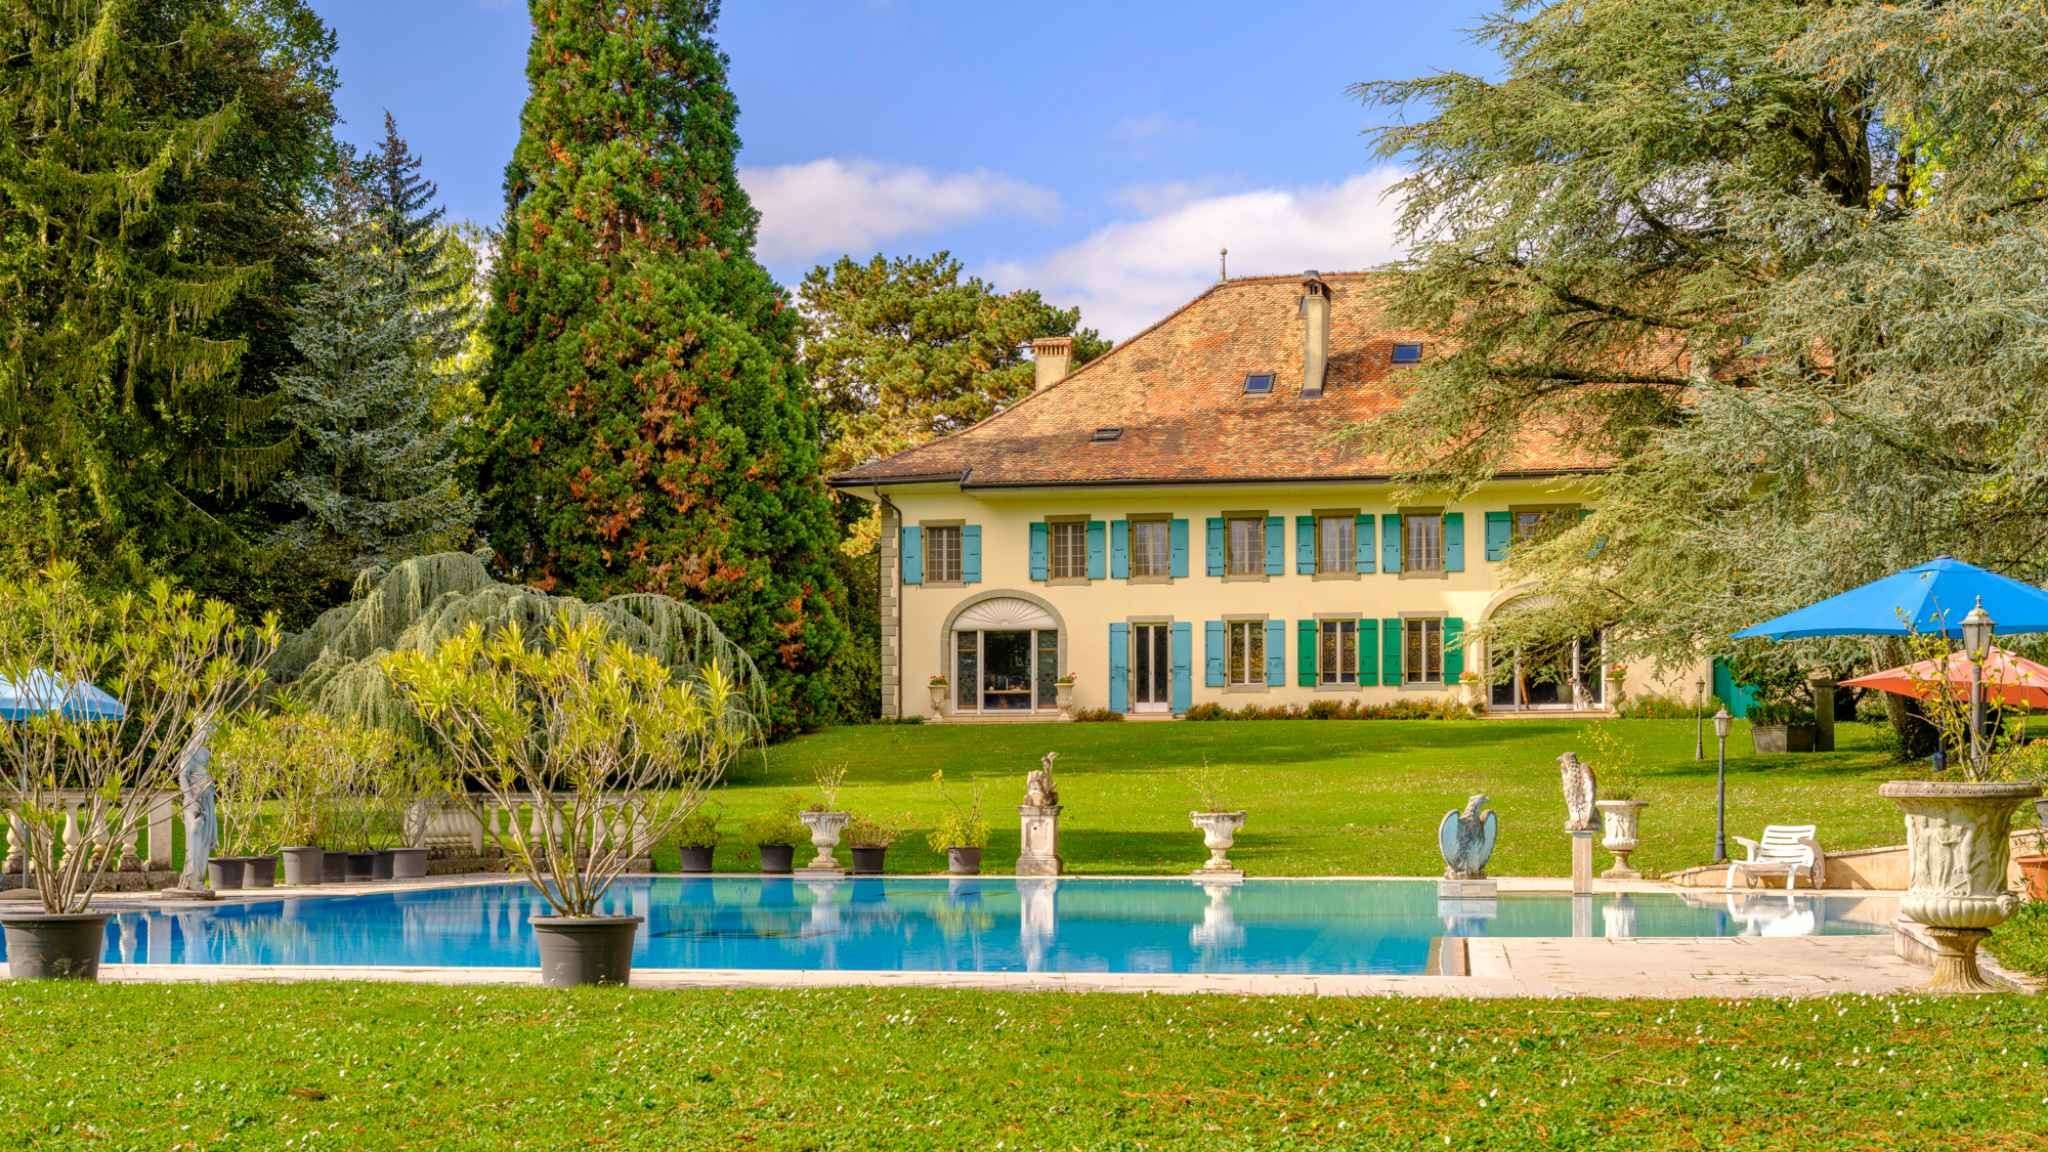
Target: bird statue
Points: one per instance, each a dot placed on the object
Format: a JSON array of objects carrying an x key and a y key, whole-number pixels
[
  {"x": 1466, "y": 840},
  {"x": 1580, "y": 790}
]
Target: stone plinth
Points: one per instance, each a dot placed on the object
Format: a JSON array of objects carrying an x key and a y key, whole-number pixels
[
  {"x": 1038, "y": 838},
  {"x": 1477, "y": 889},
  {"x": 1582, "y": 862}
]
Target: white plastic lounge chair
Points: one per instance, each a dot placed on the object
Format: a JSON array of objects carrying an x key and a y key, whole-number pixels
[
  {"x": 1761, "y": 914},
  {"x": 1786, "y": 850}
]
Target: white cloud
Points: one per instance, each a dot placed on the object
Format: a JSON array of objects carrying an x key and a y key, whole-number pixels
[
  {"x": 1136, "y": 129},
  {"x": 824, "y": 208},
  {"x": 1128, "y": 274}
]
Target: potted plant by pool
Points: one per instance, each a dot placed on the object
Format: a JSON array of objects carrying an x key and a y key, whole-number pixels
[
  {"x": 115, "y": 701},
  {"x": 413, "y": 786},
  {"x": 697, "y": 838},
  {"x": 1063, "y": 692},
  {"x": 244, "y": 776},
  {"x": 824, "y": 820},
  {"x": 1215, "y": 819},
  {"x": 1778, "y": 726},
  {"x": 962, "y": 831},
  {"x": 870, "y": 837},
  {"x": 1613, "y": 757},
  {"x": 299, "y": 745},
  {"x": 611, "y": 746},
  {"x": 775, "y": 834},
  {"x": 938, "y": 685}
]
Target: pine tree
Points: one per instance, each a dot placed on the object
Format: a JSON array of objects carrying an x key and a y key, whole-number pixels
[
  {"x": 649, "y": 429},
  {"x": 404, "y": 207}
]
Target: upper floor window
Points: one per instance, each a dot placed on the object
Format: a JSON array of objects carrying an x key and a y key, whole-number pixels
[
  {"x": 1422, "y": 651},
  {"x": 1069, "y": 549},
  {"x": 1151, "y": 548},
  {"x": 1536, "y": 523},
  {"x": 1245, "y": 546},
  {"x": 1336, "y": 543},
  {"x": 942, "y": 554},
  {"x": 1337, "y": 652},
  {"x": 1422, "y": 543},
  {"x": 1247, "y": 657}
]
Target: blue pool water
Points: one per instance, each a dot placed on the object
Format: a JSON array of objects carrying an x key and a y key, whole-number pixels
[{"x": 986, "y": 925}]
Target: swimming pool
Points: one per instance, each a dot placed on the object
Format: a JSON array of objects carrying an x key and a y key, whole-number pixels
[{"x": 991, "y": 924}]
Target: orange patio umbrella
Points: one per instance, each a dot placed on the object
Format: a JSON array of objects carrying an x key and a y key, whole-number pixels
[{"x": 2010, "y": 681}]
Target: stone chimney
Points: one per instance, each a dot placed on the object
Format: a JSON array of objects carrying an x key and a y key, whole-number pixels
[
  {"x": 1315, "y": 333},
  {"x": 1051, "y": 355}
]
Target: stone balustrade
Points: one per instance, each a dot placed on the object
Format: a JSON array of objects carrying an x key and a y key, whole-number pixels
[
  {"x": 452, "y": 825},
  {"x": 146, "y": 848}
]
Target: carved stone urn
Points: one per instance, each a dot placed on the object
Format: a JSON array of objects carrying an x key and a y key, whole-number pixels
[
  {"x": 1219, "y": 832},
  {"x": 1958, "y": 838},
  {"x": 938, "y": 688},
  {"x": 825, "y": 829},
  {"x": 1618, "y": 821}
]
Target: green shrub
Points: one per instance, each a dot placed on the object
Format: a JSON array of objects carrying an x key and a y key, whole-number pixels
[
  {"x": 1421, "y": 708},
  {"x": 700, "y": 828},
  {"x": 1768, "y": 713},
  {"x": 2021, "y": 943},
  {"x": 1097, "y": 716},
  {"x": 873, "y": 831},
  {"x": 961, "y": 825},
  {"x": 779, "y": 825},
  {"x": 1659, "y": 707}
]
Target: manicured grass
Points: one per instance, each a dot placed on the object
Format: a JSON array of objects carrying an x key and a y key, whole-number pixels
[
  {"x": 1324, "y": 797},
  {"x": 2021, "y": 943},
  {"x": 400, "y": 1067}
]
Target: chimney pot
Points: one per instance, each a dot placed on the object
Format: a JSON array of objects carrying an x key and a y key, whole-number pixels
[
  {"x": 1315, "y": 329},
  {"x": 1050, "y": 356}
]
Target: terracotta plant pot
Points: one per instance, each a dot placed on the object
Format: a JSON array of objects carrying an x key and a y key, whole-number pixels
[
  {"x": 259, "y": 872},
  {"x": 54, "y": 945},
  {"x": 581, "y": 950},
  {"x": 963, "y": 861},
  {"x": 408, "y": 863},
  {"x": 867, "y": 860},
  {"x": 1958, "y": 837},
  {"x": 695, "y": 857},
  {"x": 2034, "y": 869},
  {"x": 776, "y": 858},
  {"x": 302, "y": 865}
]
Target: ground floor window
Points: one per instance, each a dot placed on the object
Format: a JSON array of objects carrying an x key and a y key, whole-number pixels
[
  {"x": 1247, "y": 652},
  {"x": 1006, "y": 670},
  {"x": 1563, "y": 676},
  {"x": 1337, "y": 652},
  {"x": 1422, "y": 651}
]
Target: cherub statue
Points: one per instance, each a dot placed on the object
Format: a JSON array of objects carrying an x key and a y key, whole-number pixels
[
  {"x": 1039, "y": 791},
  {"x": 1466, "y": 839},
  {"x": 1580, "y": 791}
]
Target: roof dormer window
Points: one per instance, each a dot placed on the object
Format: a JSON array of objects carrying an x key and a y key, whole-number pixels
[
  {"x": 1407, "y": 354},
  {"x": 1258, "y": 383}
]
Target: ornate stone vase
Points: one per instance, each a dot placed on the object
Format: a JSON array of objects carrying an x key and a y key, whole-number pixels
[
  {"x": 1958, "y": 838},
  {"x": 939, "y": 698},
  {"x": 825, "y": 829},
  {"x": 1618, "y": 823},
  {"x": 1063, "y": 695},
  {"x": 1219, "y": 832}
]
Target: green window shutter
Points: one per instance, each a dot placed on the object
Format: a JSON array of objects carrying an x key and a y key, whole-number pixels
[
  {"x": 1276, "y": 545},
  {"x": 1215, "y": 557},
  {"x": 1305, "y": 644},
  {"x": 1365, "y": 547},
  {"x": 1098, "y": 556},
  {"x": 1038, "y": 550},
  {"x": 1454, "y": 649},
  {"x": 1390, "y": 652},
  {"x": 1368, "y": 653},
  {"x": 1119, "y": 667},
  {"x": 1179, "y": 535},
  {"x": 1390, "y": 543},
  {"x": 913, "y": 554},
  {"x": 970, "y": 554},
  {"x": 1500, "y": 532},
  {"x": 1305, "y": 545},
  {"x": 1276, "y": 653},
  {"x": 1212, "y": 653},
  {"x": 1119, "y": 554},
  {"x": 1454, "y": 541}
]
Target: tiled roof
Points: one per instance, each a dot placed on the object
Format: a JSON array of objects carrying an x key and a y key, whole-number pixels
[{"x": 1177, "y": 392}]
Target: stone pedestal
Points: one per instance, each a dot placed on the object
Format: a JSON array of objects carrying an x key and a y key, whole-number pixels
[
  {"x": 1038, "y": 838},
  {"x": 1481, "y": 888},
  {"x": 1822, "y": 685},
  {"x": 1582, "y": 862},
  {"x": 1582, "y": 916}
]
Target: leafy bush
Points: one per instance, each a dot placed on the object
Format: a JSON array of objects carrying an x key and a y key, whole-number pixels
[
  {"x": 873, "y": 831},
  {"x": 1766, "y": 713},
  {"x": 1097, "y": 716},
  {"x": 961, "y": 825},
  {"x": 2021, "y": 943},
  {"x": 1418, "y": 708},
  {"x": 700, "y": 828},
  {"x": 1658, "y": 707},
  {"x": 779, "y": 825}
]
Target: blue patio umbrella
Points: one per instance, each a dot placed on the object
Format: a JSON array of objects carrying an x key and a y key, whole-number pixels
[
  {"x": 41, "y": 691},
  {"x": 1926, "y": 599}
]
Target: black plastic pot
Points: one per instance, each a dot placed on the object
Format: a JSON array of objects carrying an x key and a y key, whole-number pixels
[
  {"x": 362, "y": 866},
  {"x": 302, "y": 865},
  {"x": 54, "y": 946},
  {"x": 333, "y": 866},
  {"x": 963, "y": 861},
  {"x": 259, "y": 872},
  {"x": 696, "y": 858},
  {"x": 408, "y": 863},
  {"x": 382, "y": 864},
  {"x": 581, "y": 950},
  {"x": 224, "y": 873},
  {"x": 868, "y": 861},
  {"x": 776, "y": 858}
]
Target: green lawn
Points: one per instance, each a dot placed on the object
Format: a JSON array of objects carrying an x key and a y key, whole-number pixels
[
  {"x": 398, "y": 1067},
  {"x": 1324, "y": 797}
]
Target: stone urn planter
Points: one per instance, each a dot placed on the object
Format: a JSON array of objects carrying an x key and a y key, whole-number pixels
[
  {"x": 582, "y": 950},
  {"x": 825, "y": 829},
  {"x": 695, "y": 858},
  {"x": 963, "y": 861},
  {"x": 776, "y": 859},
  {"x": 1063, "y": 695},
  {"x": 1958, "y": 838},
  {"x": 259, "y": 872},
  {"x": 1618, "y": 822},
  {"x": 938, "y": 688},
  {"x": 303, "y": 864},
  {"x": 1772, "y": 739},
  {"x": 54, "y": 945},
  {"x": 408, "y": 863},
  {"x": 1219, "y": 832}
]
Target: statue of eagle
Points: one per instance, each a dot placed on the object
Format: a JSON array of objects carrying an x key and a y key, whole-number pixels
[
  {"x": 1466, "y": 840},
  {"x": 1580, "y": 791}
]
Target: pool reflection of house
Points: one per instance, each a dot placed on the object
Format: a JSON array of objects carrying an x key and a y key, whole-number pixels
[{"x": 1182, "y": 521}]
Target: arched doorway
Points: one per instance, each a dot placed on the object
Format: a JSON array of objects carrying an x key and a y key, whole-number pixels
[
  {"x": 1561, "y": 676},
  {"x": 1004, "y": 651}
]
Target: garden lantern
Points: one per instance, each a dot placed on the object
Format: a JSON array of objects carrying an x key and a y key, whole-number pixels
[
  {"x": 1721, "y": 721},
  {"x": 1977, "y": 643}
]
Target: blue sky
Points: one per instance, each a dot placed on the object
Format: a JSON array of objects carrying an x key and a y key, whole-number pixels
[{"x": 1101, "y": 153}]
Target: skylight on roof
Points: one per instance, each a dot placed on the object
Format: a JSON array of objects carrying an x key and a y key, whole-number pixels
[
  {"x": 1105, "y": 434},
  {"x": 1407, "y": 353},
  {"x": 1258, "y": 383}
]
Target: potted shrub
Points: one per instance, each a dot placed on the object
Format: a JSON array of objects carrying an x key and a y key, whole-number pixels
[
  {"x": 938, "y": 686},
  {"x": 602, "y": 736},
  {"x": 825, "y": 821},
  {"x": 413, "y": 782},
  {"x": 1215, "y": 819},
  {"x": 298, "y": 744},
  {"x": 1063, "y": 692},
  {"x": 244, "y": 776},
  {"x": 962, "y": 831},
  {"x": 697, "y": 837},
  {"x": 1778, "y": 726},
  {"x": 1620, "y": 809},
  {"x": 125, "y": 691},
  {"x": 870, "y": 838},
  {"x": 775, "y": 834}
]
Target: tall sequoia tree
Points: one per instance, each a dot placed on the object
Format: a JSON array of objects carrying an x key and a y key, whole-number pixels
[
  {"x": 1786, "y": 262},
  {"x": 155, "y": 160},
  {"x": 649, "y": 428}
]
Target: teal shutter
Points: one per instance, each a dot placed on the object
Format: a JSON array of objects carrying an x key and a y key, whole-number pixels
[
  {"x": 1038, "y": 549},
  {"x": 1390, "y": 652},
  {"x": 1365, "y": 545},
  {"x": 1276, "y": 545},
  {"x": 1215, "y": 556},
  {"x": 1119, "y": 551},
  {"x": 1212, "y": 653},
  {"x": 1183, "y": 667},
  {"x": 1454, "y": 649},
  {"x": 1305, "y": 545},
  {"x": 1276, "y": 653},
  {"x": 1180, "y": 549},
  {"x": 1390, "y": 543},
  {"x": 1305, "y": 652},
  {"x": 1454, "y": 541},
  {"x": 1098, "y": 557},
  {"x": 1500, "y": 532},
  {"x": 1119, "y": 667},
  {"x": 970, "y": 554},
  {"x": 1368, "y": 653},
  {"x": 913, "y": 554}
]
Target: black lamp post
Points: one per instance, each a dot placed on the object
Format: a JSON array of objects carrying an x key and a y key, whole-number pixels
[
  {"x": 1977, "y": 627},
  {"x": 1721, "y": 721},
  {"x": 1699, "y": 720}
]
